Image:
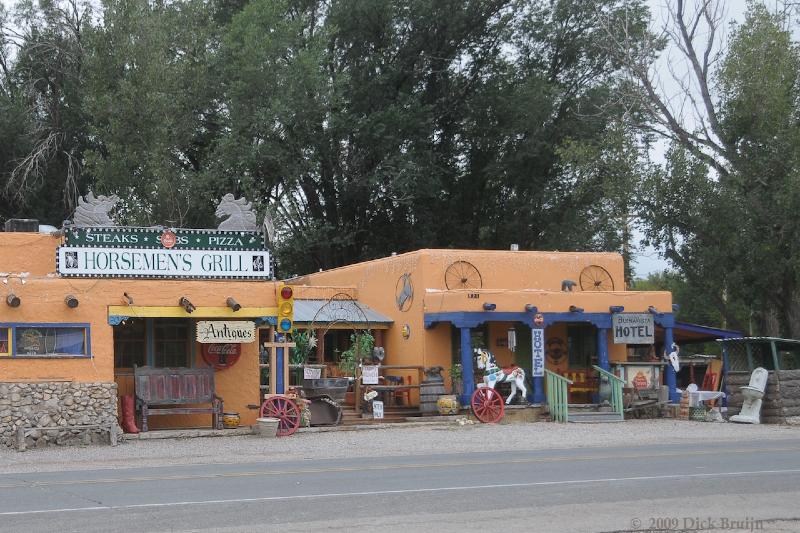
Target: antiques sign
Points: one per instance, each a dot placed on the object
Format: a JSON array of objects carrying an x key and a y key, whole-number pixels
[
  {"x": 161, "y": 263},
  {"x": 538, "y": 351},
  {"x": 225, "y": 331},
  {"x": 631, "y": 328},
  {"x": 177, "y": 238}
]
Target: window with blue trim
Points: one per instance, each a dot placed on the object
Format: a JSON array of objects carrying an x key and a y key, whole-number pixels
[{"x": 44, "y": 340}]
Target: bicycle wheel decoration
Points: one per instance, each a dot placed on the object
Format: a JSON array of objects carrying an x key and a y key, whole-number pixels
[
  {"x": 462, "y": 275},
  {"x": 487, "y": 404},
  {"x": 285, "y": 410},
  {"x": 596, "y": 278}
]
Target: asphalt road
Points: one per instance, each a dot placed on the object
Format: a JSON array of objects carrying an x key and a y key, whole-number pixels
[{"x": 746, "y": 486}]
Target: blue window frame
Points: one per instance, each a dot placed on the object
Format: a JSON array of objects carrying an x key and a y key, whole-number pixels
[{"x": 45, "y": 340}]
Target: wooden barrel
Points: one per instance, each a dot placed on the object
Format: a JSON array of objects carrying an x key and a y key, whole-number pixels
[{"x": 429, "y": 392}]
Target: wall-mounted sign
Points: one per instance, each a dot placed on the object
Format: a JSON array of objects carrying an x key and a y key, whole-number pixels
[
  {"x": 177, "y": 238},
  {"x": 642, "y": 376},
  {"x": 221, "y": 356},
  {"x": 633, "y": 328},
  {"x": 161, "y": 263},
  {"x": 226, "y": 331},
  {"x": 369, "y": 374},
  {"x": 538, "y": 320},
  {"x": 537, "y": 343},
  {"x": 312, "y": 373}
]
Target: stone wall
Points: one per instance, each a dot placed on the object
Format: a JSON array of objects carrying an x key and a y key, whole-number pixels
[
  {"x": 63, "y": 404},
  {"x": 781, "y": 398}
]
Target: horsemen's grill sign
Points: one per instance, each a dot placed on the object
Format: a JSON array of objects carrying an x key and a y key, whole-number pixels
[
  {"x": 147, "y": 263},
  {"x": 173, "y": 239},
  {"x": 163, "y": 253}
]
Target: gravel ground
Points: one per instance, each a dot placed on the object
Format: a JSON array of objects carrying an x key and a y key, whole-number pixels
[{"x": 389, "y": 441}]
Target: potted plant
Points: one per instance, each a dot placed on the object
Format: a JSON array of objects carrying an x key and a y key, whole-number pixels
[
  {"x": 361, "y": 345},
  {"x": 304, "y": 342},
  {"x": 456, "y": 381}
]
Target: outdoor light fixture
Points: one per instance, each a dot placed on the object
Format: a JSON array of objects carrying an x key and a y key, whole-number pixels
[
  {"x": 652, "y": 310},
  {"x": 233, "y": 304},
  {"x": 616, "y": 308},
  {"x": 531, "y": 308},
  {"x": 127, "y": 297},
  {"x": 13, "y": 300},
  {"x": 575, "y": 309},
  {"x": 71, "y": 301},
  {"x": 489, "y": 307},
  {"x": 186, "y": 304},
  {"x": 567, "y": 285}
]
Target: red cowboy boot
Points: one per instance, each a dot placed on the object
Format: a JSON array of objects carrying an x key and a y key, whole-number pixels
[{"x": 129, "y": 414}]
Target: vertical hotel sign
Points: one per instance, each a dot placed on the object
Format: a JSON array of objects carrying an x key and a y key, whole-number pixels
[
  {"x": 157, "y": 253},
  {"x": 537, "y": 344}
]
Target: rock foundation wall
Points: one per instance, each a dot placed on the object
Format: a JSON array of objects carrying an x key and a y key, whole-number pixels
[
  {"x": 781, "y": 398},
  {"x": 61, "y": 404}
]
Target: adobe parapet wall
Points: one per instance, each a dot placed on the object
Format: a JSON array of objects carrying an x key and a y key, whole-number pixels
[{"x": 49, "y": 404}]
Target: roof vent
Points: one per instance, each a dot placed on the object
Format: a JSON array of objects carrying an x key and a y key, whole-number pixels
[{"x": 30, "y": 225}]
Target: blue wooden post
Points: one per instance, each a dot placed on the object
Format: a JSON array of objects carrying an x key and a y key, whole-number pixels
[
  {"x": 725, "y": 369},
  {"x": 280, "y": 385},
  {"x": 672, "y": 378},
  {"x": 602, "y": 349},
  {"x": 467, "y": 377}
]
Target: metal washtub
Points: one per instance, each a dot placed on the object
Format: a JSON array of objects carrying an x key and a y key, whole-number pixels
[{"x": 335, "y": 388}]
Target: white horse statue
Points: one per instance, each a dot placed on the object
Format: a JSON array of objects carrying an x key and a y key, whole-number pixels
[{"x": 492, "y": 374}]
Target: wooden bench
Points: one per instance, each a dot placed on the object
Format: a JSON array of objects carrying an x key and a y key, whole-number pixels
[
  {"x": 176, "y": 386},
  {"x": 23, "y": 432}
]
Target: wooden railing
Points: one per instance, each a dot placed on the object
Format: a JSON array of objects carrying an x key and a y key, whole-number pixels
[
  {"x": 557, "y": 396},
  {"x": 616, "y": 389},
  {"x": 388, "y": 389}
]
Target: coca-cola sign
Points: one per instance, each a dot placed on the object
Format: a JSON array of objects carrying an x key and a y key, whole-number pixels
[{"x": 221, "y": 356}]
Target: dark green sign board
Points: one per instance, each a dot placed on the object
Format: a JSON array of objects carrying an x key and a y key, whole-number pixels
[{"x": 170, "y": 238}]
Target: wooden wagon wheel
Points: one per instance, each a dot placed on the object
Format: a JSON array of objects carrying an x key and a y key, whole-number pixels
[
  {"x": 462, "y": 275},
  {"x": 487, "y": 404},
  {"x": 596, "y": 278},
  {"x": 285, "y": 410}
]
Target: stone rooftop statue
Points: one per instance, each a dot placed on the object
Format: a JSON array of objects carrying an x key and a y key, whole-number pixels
[
  {"x": 239, "y": 212},
  {"x": 93, "y": 211}
]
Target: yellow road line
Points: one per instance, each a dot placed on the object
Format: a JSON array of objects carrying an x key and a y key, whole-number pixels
[{"x": 140, "y": 479}]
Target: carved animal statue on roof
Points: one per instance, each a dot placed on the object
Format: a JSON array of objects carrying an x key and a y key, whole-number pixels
[
  {"x": 93, "y": 211},
  {"x": 239, "y": 212}
]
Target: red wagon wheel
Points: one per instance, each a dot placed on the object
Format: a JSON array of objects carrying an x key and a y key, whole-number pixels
[
  {"x": 487, "y": 404},
  {"x": 284, "y": 410}
]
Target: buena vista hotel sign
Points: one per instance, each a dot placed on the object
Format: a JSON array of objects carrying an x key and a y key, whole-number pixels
[{"x": 168, "y": 253}]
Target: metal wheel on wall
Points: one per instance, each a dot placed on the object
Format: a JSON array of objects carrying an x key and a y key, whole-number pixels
[
  {"x": 596, "y": 278},
  {"x": 462, "y": 275}
]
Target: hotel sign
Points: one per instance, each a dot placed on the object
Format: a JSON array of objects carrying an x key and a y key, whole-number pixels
[
  {"x": 632, "y": 328},
  {"x": 226, "y": 331},
  {"x": 174, "y": 239},
  {"x": 537, "y": 343},
  {"x": 95, "y": 261}
]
